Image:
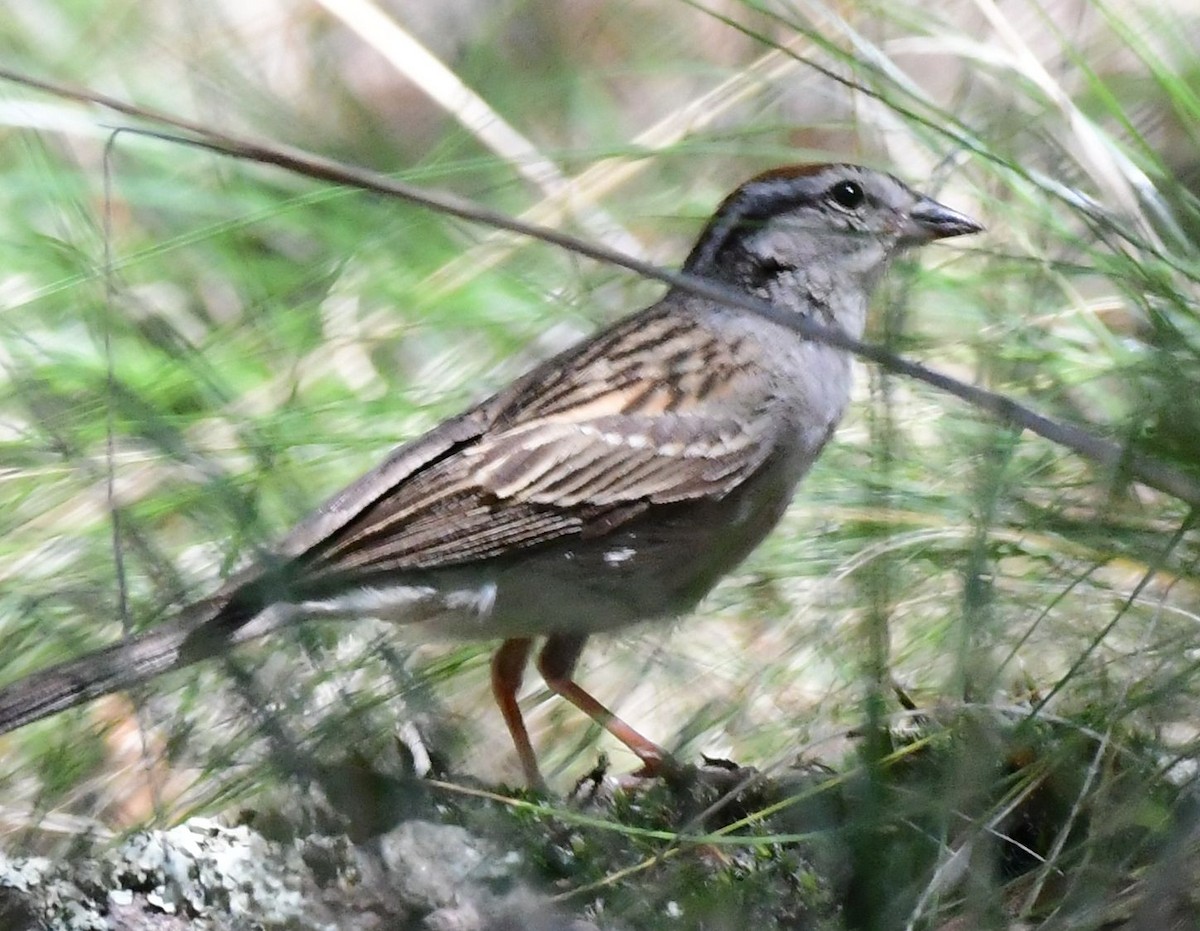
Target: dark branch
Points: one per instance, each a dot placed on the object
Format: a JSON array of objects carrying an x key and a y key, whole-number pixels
[{"x": 1111, "y": 455}]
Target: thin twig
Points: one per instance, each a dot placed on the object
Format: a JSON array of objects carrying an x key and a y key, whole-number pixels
[{"x": 1121, "y": 459}]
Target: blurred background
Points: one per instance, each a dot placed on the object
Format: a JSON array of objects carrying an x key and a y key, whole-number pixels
[{"x": 195, "y": 351}]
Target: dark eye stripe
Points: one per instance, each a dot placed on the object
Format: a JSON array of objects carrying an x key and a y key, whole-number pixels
[
  {"x": 771, "y": 194},
  {"x": 755, "y": 202}
]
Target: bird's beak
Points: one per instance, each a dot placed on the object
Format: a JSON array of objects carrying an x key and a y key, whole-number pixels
[{"x": 929, "y": 220}]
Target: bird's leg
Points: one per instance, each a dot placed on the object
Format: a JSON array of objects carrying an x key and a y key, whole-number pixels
[
  {"x": 508, "y": 669},
  {"x": 556, "y": 663}
]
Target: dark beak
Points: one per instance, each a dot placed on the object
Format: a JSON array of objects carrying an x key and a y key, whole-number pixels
[{"x": 929, "y": 220}]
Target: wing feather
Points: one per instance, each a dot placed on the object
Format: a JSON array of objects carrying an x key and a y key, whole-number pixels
[{"x": 576, "y": 448}]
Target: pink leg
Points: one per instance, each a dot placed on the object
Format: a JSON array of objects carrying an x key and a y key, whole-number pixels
[
  {"x": 556, "y": 662},
  {"x": 508, "y": 669}
]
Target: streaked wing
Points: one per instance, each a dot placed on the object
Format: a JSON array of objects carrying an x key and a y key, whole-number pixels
[{"x": 651, "y": 412}]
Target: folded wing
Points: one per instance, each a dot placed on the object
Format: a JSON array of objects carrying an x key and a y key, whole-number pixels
[{"x": 578, "y": 447}]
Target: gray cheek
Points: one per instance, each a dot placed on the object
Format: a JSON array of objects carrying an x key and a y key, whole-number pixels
[{"x": 820, "y": 283}]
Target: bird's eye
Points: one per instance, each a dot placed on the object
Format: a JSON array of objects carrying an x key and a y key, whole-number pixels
[{"x": 847, "y": 194}]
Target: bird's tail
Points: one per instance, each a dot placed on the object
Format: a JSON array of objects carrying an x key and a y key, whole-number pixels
[{"x": 200, "y": 631}]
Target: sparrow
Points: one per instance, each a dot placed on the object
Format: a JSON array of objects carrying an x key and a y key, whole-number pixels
[{"x": 615, "y": 483}]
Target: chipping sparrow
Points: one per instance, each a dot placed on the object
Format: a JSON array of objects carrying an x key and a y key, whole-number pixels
[{"x": 615, "y": 483}]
